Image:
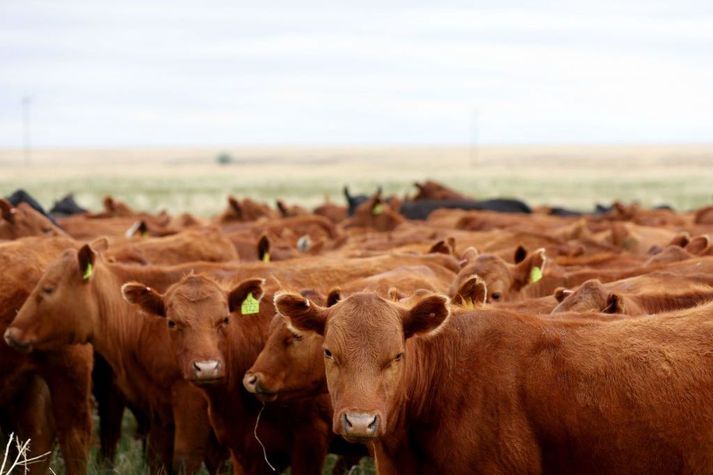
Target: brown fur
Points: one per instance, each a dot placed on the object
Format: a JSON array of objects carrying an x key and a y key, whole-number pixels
[{"x": 501, "y": 393}]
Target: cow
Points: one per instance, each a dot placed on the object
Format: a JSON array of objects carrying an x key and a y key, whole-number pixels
[
  {"x": 78, "y": 300},
  {"x": 66, "y": 206},
  {"x": 46, "y": 394},
  {"x": 23, "y": 220},
  {"x": 215, "y": 336},
  {"x": 502, "y": 392}
]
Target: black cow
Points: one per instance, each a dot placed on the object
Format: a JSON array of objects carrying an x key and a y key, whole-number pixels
[
  {"x": 67, "y": 206},
  {"x": 422, "y": 208}
]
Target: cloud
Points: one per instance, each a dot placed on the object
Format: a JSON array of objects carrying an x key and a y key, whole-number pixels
[{"x": 139, "y": 73}]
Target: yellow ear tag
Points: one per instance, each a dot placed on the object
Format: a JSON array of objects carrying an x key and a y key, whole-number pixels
[
  {"x": 535, "y": 275},
  {"x": 377, "y": 209},
  {"x": 88, "y": 272},
  {"x": 266, "y": 257},
  {"x": 250, "y": 305}
]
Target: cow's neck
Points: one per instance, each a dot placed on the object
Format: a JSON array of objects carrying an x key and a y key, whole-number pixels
[{"x": 116, "y": 326}]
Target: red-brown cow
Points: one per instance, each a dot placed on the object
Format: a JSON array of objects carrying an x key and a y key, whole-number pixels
[
  {"x": 23, "y": 221},
  {"x": 498, "y": 392},
  {"x": 78, "y": 300},
  {"x": 216, "y": 335},
  {"x": 57, "y": 381}
]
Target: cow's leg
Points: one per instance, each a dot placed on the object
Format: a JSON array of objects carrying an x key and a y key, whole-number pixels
[
  {"x": 160, "y": 446},
  {"x": 32, "y": 420},
  {"x": 110, "y": 406},
  {"x": 309, "y": 449},
  {"x": 216, "y": 455},
  {"x": 192, "y": 436},
  {"x": 68, "y": 375}
]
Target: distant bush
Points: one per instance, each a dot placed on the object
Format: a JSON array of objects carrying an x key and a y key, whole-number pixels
[{"x": 224, "y": 159}]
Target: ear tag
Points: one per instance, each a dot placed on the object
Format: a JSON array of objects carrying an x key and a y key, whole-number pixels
[
  {"x": 250, "y": 305},
  {"x": 377, "y": 209},
  {"x": 89, "y": 271},
  {"x": 265, "y": 258},
  {"x": 535, "y": 275}
]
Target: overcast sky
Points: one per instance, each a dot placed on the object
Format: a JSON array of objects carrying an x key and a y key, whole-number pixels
[{"x": 137, "y": 73}]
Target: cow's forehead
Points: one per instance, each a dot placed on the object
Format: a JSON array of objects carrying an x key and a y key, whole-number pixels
[
  {"x": 196, "y": 293},
  {"x": 365, "y": 317}
]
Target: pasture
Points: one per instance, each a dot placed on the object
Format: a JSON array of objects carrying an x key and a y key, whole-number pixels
[{"x": 191, "y": 180}]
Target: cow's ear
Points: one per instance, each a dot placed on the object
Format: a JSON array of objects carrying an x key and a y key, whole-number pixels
[
  {"x": 145, "y": 297},
  {"x": 282, "y": 208},
  {"x": 468, "y": 256},
  {"x": 246, "y": 294},
  {"x": 444, "y": 246},
  {"x": 109, "y": 204},
  {"x": 427, "y": 316},
  {"x": 698, "y": 244},
  {"x": 8, "y": 211},
  {"x": 235, "y": 205},
  {"x": 86, "y": 258},
  {"x": 334, "y": 296},
  {"x": 263, "y": 248},
  {"x": 615, "y": 304},
  {"x": 100, "y": 245},
  {"x": 562, "y": 293},
  {"x": 474, "y": 291},
  {"x": 520, "y": 254},
  {"x": 531, "y": 269},
  {"x": 301, "y": 314}
]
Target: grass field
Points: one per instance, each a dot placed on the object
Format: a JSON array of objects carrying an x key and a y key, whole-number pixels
[{"x": 191, "y": 180}]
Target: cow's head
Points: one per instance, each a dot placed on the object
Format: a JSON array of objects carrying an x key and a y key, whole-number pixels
[
  {"x": 365, "y": 353},
  {"x": 23, "y": 220},
  {"x": 377, "y": 214},
  {"x": 62, "y": 308},
  {"x": 592, "y": 296},
  {"x": 501, "y": 279},
  {"x": 289, "y": 366},
  {"x": 197, "y": 313}
]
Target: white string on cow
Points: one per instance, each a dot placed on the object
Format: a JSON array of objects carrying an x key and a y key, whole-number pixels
[{"x": 264, "y": 451}]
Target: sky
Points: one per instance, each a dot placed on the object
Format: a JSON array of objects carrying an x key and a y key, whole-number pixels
[{"x": 215, "y": 73}]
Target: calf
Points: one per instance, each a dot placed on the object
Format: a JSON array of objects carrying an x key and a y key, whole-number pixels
[{"x": 499, "y": 392}]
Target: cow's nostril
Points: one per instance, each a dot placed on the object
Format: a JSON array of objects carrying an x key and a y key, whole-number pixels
[
  {"x": 347, "y": 422},
  {"x": 253, "y": 380},
  {"x": 374, "y": 423}
]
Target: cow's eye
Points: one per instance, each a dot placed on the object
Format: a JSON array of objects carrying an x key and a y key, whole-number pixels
[
  {"x": 327, "y": 354},
  {"x": 495, "y": 296},
  {"x": 47, "y": 290},
  {"x": 171, "y": 324},
  {"x": 225, "y": 321},
  {"x": 399, "y": 357},
  {"x": 297, "y": 337}
]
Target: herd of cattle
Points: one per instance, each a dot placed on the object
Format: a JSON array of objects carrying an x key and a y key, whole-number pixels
[{"x": 435, "y": 333}]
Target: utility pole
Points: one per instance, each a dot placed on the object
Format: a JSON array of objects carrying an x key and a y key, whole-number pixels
[
  {"x": 27, "y": 147},
  {"x": 473, "y": 150}
]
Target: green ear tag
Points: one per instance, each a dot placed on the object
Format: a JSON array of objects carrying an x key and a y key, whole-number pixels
[
  {"x": 377, "y": 209},
  {"x": 265, "y": 258},
  {"x": 250, "y": 305},
  {"x": 535, "y": 274},
  {"x": 88, "y": 272}
]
